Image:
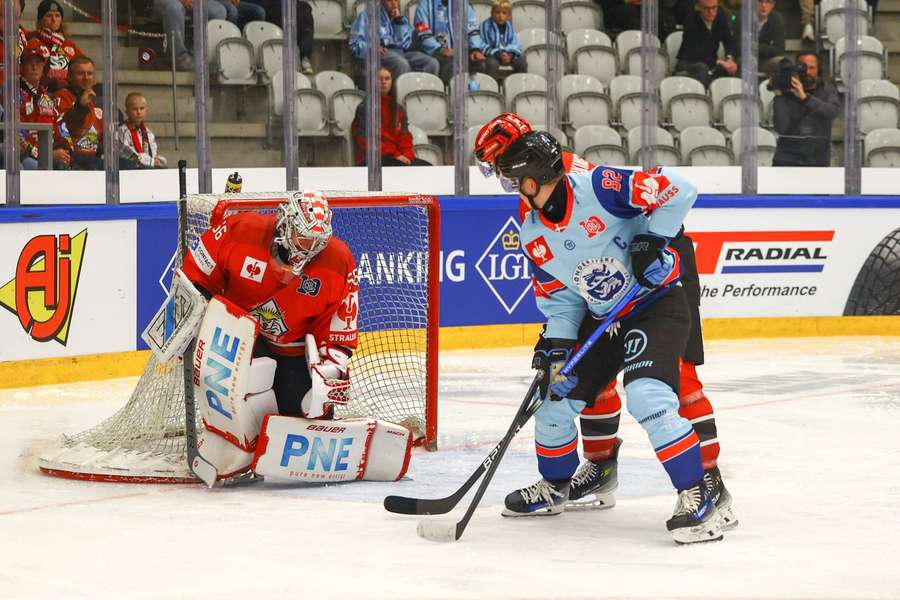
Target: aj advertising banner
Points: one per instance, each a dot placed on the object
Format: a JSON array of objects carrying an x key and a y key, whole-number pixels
[{"x": 67, "y": 288}]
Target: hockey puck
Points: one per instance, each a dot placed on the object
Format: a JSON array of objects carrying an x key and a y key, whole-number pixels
[{"x": 437, "y": 531}]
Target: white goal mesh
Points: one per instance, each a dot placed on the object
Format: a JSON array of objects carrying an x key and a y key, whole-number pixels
[{"x": 394, "y": 240}]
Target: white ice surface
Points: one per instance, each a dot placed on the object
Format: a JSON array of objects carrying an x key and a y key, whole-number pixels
[{"x": 809, "y": 432}]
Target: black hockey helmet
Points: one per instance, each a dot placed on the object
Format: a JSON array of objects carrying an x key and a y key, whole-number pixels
[{"x": 536, "y": 154}]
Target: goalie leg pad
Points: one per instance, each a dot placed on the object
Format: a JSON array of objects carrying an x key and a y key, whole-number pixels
[
  {"x": 175, "y": 324},
  {"x": 296, "y": 449},
  {"x": 228, "y": 459}
]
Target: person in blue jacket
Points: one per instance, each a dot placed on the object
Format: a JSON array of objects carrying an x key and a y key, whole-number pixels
[
  {"x": 434, "y": 26},
  {"x": 396, "y": 44},
  {"x": 501, "y": 44}
]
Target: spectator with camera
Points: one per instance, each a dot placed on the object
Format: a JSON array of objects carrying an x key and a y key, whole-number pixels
[
  {"x": 804, "y": 107},
  {"x": 704, "y": 30}
]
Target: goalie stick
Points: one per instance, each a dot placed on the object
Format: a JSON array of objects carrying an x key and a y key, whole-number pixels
[
  {"x": 199, "y": 466},
  {"x": 448, "y": 532}
]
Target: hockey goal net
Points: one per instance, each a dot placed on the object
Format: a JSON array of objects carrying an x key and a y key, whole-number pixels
[{"x": 395, "y": 241}]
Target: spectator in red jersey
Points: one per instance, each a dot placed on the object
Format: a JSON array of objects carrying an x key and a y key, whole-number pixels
[
  {"x": 396, "y": 140},
  {"x": 36, "y": 106},
  {"x": 50, "y": 29},
  {"x": 82, "y": 116}
]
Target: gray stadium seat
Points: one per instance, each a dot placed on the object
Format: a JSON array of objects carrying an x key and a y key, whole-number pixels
[
  {"x": 600, "y": 145},
  {"x": 536, "y": 50},
  {"x": 328, "y": 16},
  {"x": 526, "y": 95},
  {"x": 684, "y": 102},
  {"x": 834, "y": 13},
  {"x": 343, "y": 98},
  {"x": 528, "y": 14},
  {"x": 584, "y": 101},
  {"x": 580, "y": 14},
  {"x": 216, "y": 31},
  {"x": 423, "y": 98},
  {"x": 872, "y": 59},
  {"x": 882, "y": 148},
  {"x": 311, "y": 109},
  {"x": 423, "y": 147},
  {"x": 625, "y": 92},
  {"x": 673, "y": 45},
  {"x": 879, "y": 105},
  {"x": 591, "y": 53},
  {"x": 666, "y": 153},
  {"x": 628, "y": 49},
  {"x": 703, "y": 146},
  {"x": 765, "y": 146},
  {"x": 234, "y": 63}
]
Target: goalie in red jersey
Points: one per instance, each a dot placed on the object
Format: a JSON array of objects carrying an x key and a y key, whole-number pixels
[
  {"x": 274, "y": 346},
  {"x": 594, "y": 484}
]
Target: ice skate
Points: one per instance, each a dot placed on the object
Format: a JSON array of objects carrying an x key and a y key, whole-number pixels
[
  {"x": 713, "y": 479},
  {"x": 695, "y": 518},
  {"x": 594, "y": 483},
  {"x": 543, "y": 498}
]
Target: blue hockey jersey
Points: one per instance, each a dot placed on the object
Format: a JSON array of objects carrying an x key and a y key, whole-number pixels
[
  {"x": 497, "y": 41},
  {"x": 434, "y": 26},
  {"x": 582, "y": 263},
  {"x": 396, "y": 34}
]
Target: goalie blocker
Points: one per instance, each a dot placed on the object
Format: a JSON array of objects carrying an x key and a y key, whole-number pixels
[{"x": 242, "y": 430}]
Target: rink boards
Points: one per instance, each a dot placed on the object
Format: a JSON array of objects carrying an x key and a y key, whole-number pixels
[{"x": 82, "y": 281}]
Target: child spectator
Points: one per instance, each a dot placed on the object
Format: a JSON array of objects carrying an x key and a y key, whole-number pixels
[
  {"x": 396, "y": 140},
  {"x": 137, "y": 144},
  {"x": 36, "y": 106},
  {"x": 501, "y": 44},
  {"x": 436, "y": 38},
  {"x": 82, "y": 116},
  {"x": 50, "y": 29}
]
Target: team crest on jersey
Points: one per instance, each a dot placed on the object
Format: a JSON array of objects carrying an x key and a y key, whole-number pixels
[
  {"x": 271, "y": 321},
  {"x": 539, "y": 251},
  {"x": 253, "y": 269},
  {"x": 309, "y": 285},
  {"x": 647, "y": 189},
  {"x": 601, "y": 280},
  {"x": 593, "y": 225}
]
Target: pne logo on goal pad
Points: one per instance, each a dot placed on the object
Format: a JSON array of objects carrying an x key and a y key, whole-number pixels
[{"x": 749, "y": 252}]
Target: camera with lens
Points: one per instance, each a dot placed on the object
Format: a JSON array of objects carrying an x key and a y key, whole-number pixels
[{"x": 781, "y": 80}]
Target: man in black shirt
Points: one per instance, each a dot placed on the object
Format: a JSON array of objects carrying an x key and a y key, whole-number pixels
[
  {"x": 771, "y": 36},
  {"x": 703, "y": 32},
  {"x": 803, "y": 116}
]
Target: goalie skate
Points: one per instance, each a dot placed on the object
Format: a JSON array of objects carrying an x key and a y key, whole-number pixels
[
  {"x": 713, "y": 479},
  {"x": 594, "y": 484},
  {"x": 544, "y": 498},
  {"x": 695, "y": 518}
]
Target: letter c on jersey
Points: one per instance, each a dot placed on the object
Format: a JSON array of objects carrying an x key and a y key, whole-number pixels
[{"x": 332, "y": 458}]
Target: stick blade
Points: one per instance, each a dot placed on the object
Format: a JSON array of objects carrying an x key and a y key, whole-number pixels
[
  {"x": 400, "y": 505},
  {"x": 437, "y": 530}
]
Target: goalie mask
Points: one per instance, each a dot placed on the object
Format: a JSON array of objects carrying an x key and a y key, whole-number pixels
[{"x": 303, "y": 227}]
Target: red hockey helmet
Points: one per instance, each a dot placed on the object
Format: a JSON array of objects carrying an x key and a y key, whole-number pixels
[{"x": 495, "y": 137}]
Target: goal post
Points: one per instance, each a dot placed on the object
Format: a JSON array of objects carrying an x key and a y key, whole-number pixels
[{"x": 395, "y": 240}]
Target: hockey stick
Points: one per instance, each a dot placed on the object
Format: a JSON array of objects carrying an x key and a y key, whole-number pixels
[
  {"x": 449, "y": 532},
  {"x": 199, "y": 466}
]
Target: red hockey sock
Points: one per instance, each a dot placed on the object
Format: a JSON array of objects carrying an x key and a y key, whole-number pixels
[
  {"x": 695, "y": 407},
  {"x": 600, "y": 424}
]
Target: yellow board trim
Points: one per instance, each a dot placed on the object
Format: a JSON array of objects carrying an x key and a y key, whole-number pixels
[{"x": 54, "y": 371}]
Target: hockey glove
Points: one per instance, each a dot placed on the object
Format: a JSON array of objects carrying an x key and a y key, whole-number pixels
[
  {"x": 649, "y": 260},
  {"x": 550, "y": 356}
]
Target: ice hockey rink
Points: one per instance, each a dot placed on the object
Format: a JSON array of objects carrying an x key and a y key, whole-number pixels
[{"x": 810, "y": 451}]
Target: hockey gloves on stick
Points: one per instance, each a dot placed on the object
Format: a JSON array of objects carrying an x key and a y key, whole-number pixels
[
  {"x": 649, "y": 260},
  {"x": 550, "y": 356}
]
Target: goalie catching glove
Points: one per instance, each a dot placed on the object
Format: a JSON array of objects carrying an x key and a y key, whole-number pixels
[
  {"x": 330, "y": 375},
  {"x": 550, "y": 356}
]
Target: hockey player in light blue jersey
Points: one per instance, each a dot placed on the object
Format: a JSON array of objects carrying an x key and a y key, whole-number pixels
[{"x": 591, "y": 236}]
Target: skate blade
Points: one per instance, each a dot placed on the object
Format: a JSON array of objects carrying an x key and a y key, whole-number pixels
[
  {"x": 710, "y": 531},
  {"x": 544, "y": 512},
  {"x": 592, "y": 502}
]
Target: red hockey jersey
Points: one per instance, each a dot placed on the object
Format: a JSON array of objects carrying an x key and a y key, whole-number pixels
[{"x": 235, "y": 259}]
